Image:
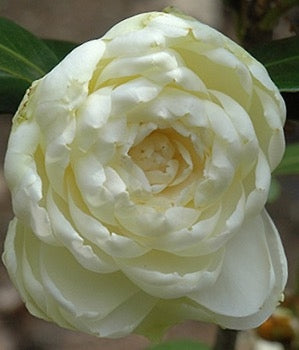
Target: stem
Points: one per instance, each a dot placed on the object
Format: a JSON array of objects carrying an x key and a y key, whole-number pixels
[{"x": 226, "y": 339}]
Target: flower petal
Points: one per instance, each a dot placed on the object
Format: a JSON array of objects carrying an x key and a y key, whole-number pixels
[
  {"x": 255, "y": 283},
  {"x": 154, "y": 273}
]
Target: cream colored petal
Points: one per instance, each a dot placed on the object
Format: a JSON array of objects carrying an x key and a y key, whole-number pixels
[
  {"x": 164, "y": 178},
  {"x": 181, "y": 76},
  {"x": 91, "y": 116},
  {"x": 132, "y": 175},
  {"x": 188, "y": 167},
  {"x": 26, "y": 206},
  {"x": 22, "y": 144},
  {"x": 171, "y": 26},
  {"x": 57, "y": 157},
  {"x": 15, "y": 259},
  {"x": 168, "y": 25},
  {"x": 86, "y": 253},
  {"x": 261, "y": 75},
  {"x": 67, "y": 83},
  {"x": 184, "y": 241},
  {"x": 233, "y": 77},
  {"x": 146, "y": 221},
  {"x": 127, "y": 43},
  {"x": 127, "y": 96},
  {"x": 218, "y": 174},
  {"x": 83, "y": 293},
  {"x": 259, "y": 189},
  {"x": 251, "y": 288},
  {"x": 224, "y": 58},
  {"x": 150, "y": 63},
  {"x": 228, "y": 219},
  {"x": 90, "y": 179},
  {"x": 22, "y": 175},
  {"x": 167, "y": 276},
  {"x": 113, "y": 243},
  {"x": 274, "y": 118},
  {"x": 32, "y": 278},
  {"x": 168, "y": 312},
  {"x": 248, "y": 148},
  {"x": 170, "y": 106},
  {"x": 125, "y": 318},
  {"x": 114, "y": 310}
]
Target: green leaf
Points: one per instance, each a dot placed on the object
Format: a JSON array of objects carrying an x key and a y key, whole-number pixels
[
  {"x": 290, "y": 161},
  {"x": 60, "y": 47},
  {"x": 281, "y": 58},
  {"x": 23, "y": 59},
  {"x": 180, "y": 345},
  {"x": 275, "y": 191}
]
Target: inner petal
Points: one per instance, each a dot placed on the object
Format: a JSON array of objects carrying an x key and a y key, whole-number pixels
[
  {"x": 166, "y": 158},
  {"x": 154, "y": 152}
]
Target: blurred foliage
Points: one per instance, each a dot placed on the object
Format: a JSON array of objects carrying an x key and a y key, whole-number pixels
[
  {"x": 281, "y": 58},
  {"x": 256, "y": 19},
  {"x": 275, "y": 190},
  {"x": 180, "y": 345},
  {"x": 290, "y": 162}
]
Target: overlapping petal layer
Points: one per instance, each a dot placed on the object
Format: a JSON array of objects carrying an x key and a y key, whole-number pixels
[{"x": 139, "y": 169}]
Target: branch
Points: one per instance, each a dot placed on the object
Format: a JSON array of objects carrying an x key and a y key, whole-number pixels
[{"x": 226, "y": 339}]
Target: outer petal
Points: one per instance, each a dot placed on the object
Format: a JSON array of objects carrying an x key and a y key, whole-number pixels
[
  {"x": 13, "y": 258},
  {"x": 25, "y": 182},
  {"x": 101, "y": 304},
  {"x": 77, "y": 300},
  {"x": 67, "y": 84},
  {"x": 253, "y": 277},
  {"x": 171, "y": 26}
]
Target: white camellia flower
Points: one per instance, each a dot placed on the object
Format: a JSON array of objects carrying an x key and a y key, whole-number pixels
[{"x": 139, "y": 169}]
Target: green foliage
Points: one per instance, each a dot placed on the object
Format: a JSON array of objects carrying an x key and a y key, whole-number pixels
[
  {"x": 275, "y": 191},
  {"x": 180, "y": 345},
  {"x": 288, "y": 166},
  {"x": 23, "y": 59},
  {"x": 281, "y": 58},
  {"x": 60, "y": 47},
  {"x": 290, "y": 161}
]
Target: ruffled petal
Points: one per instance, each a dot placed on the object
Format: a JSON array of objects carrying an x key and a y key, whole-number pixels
[{"x": 154, "y": 273}]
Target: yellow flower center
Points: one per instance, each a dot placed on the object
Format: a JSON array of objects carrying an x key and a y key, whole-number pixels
[{"x": 166, "y": 158}]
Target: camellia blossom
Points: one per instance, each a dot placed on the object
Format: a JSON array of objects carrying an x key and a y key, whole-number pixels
[{"x": 139, "y": 168}]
